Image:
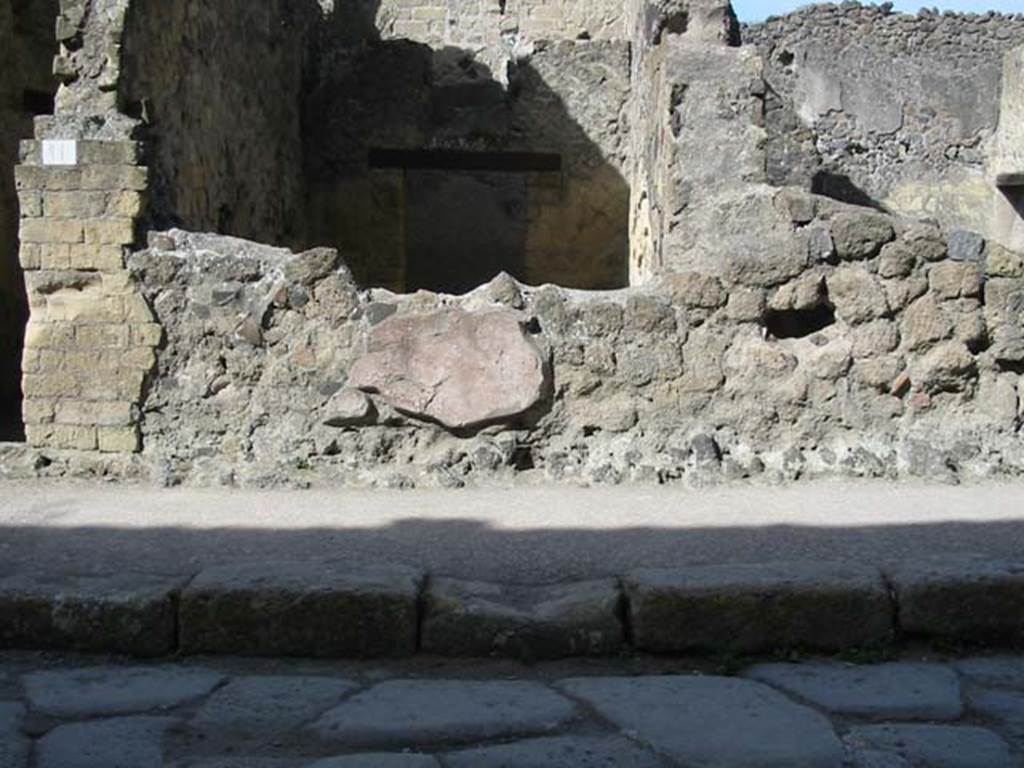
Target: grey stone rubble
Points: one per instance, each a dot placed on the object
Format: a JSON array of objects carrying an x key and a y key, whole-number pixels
[
  {"x": 328, "y": 610},
  {"x": 494, "y": 715}
]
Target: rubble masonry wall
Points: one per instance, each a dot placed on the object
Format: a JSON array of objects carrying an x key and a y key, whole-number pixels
[{"x": 887, "y": 108}]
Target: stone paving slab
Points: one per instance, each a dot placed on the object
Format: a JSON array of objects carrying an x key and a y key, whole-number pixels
[
  {"x": 903, "y": 691},
  {"x": 756, "y": 608},
  {"x": 1003, "y": 707},
  {"x": 405, "y": 713},
  {"x": 131, "y": 613},
  {"x": 710, "y": 722},
  {"x": 873, "y": 758},
  {"x": 260, "y": 706},
  {"x": 441, "y": 713},
  {"x": 936, "y": 746},
  {"x": 14, "y": 747},
  {"x": 378, "y": 760},
  {"x": 468, "y": 618},
  {"x": 129, "y": 742},
  {"x": 964, "y": 599},
  {"x": 996, "y": 671},
  {"x": 301, "y": 609},
  {"x": 106, "y": 691},
  {"x": 568, "y": 751},
  {"x": 237, "y": 762}
]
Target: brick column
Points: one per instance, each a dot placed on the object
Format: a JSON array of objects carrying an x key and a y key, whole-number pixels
[{"x": 91, "y": 336}]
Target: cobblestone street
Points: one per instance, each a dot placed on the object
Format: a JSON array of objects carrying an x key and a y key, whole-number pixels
[{"x": 71, "y": 712}]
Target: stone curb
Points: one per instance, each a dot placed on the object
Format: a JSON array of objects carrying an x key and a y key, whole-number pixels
[
  {"x": 754, "y": 608},
  {"x": 465, "y": 618},
  {"x": 301, "y": 609},
  {"x": 129, "y": 613},
  {"x": 327, "y": 610},
  {"x": 962, "y": 599}
]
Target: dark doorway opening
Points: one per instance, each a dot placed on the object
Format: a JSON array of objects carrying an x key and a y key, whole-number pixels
[
  {"x": 27, "y": 89},
  {"x": 463, "y": 228},
  {"x": 457, "y": 160},
  {"x": 466, "y": 213}
]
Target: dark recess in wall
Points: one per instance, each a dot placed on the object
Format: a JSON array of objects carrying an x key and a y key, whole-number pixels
[
  {"x": 799, "y": 323},
  {"x": 456, "y": 160},
  {"x": 840, "y": 187},
  {"x": 30, "y": 90}
]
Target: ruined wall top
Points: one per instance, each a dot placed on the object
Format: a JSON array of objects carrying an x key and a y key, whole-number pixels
[
  {"x": 469, "y": 23},
  {"x": 837, "y": 24}
]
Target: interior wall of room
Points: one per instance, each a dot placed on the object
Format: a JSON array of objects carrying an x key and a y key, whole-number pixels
[
  {"x": 564, "y": 98},
  {"x": 217, "y": 89}
]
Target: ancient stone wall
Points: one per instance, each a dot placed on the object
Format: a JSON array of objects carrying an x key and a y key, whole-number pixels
[
  {"x": 475, "y": 23},
  {"x": 1007, "y": 165},
  {"x": 880, "y": 356},
  {"x": 871, "y": 106},
  {"x": 90, "y": 341},
  {"x": 699, "y": 191},
  {"x": 769, "y": 332},
  {"x": 565, "y": 99},
  {"x": 218, "y": 92}
]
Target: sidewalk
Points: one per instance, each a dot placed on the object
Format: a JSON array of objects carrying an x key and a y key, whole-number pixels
[
  {"x": 528, "y": 535},
  {"x": 541, "y": 573}
]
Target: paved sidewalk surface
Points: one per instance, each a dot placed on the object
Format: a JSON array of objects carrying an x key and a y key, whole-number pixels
[
  {"x": 76, "y": 712},
  {"x": 523, "y": 535}
]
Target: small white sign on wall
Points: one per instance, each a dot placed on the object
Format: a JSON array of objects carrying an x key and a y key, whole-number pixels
[{"x": 60, "y": 152}]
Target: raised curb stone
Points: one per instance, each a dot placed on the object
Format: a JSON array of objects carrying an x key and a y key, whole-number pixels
[
  {"x": 708, "y": 722},
  {"x": 751, "y": 608},
  {"x": 261, "y": 706},
  {"x": 466, "y": 618},
  {"x": 414, "y": 712},
  {"x": 301, "y": 609},
  {"x": 14, "y": 747},
  {"x": 128, "y": 742},
  {"x": 905, "y": 691},
  {"x": 575, "y": 751},
  {"x": 936, "y": 746},
  {"x": 106, "y": 691},
  {"x": 961, "y": 598},
  {"x": 130, "y": 613}
]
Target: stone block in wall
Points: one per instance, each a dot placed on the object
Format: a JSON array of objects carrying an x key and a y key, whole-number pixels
[
  {"x": 51, "y": 231},
  {"x": 93, "y": 413},
  {"x": 118, "y": 439},
  {"x": 29, "y": 256},
  {"x": 93, "y": 256},
  {"x": 109, "y": 231},
  {"x": 73, "y": 205},
  {"x": 61, "y": 436},
  {"x": 89, "y": 152}
]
